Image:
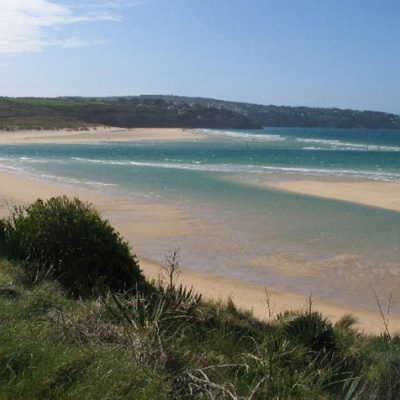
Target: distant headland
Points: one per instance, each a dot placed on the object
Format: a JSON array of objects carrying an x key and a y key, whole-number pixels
[{"x": 164, "y": 111}]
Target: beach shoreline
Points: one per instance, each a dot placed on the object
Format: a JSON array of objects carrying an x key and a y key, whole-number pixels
[
  {"x": 144, "y": 220},
  {"x": 385, "y": 195},
  {"x": 96, "y": 135},
  {"x": 17, "y": 190}
]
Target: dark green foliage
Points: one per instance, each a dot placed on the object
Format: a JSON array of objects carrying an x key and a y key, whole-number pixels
[
  {"x": 346, "y": 323},
  {"x": 130, "y": 112},
  {"x": 3, "y": 226},
  {"x": 385, "y": 382},
  {"x": 176, "y": 111},
  {"x": 165, "y": 308},
  {"x": 313, "y": 331},
  {"x": 282, "y": 116},
  {"x": 380, "y": 375},
  {"x": 176, "y": 346},
  {"x": 49, "y": 102},
  {"x": 68, "y": 240},
  {"x": 2, "y": 230},
  {"x": 166, "y": 343},
  {"x": 9, "y": 293}
]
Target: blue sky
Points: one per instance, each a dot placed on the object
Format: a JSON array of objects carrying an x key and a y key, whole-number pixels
[{"x": 323, "y": 53}]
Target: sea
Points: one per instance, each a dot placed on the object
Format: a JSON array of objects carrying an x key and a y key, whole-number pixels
[{"x": 334, "y": 250}]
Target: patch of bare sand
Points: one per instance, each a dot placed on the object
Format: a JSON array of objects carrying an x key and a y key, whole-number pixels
[
  {"x": 384, "y": 195},
  {"x": 152, "y": 221},
  {"x": 95, "y": 135}
]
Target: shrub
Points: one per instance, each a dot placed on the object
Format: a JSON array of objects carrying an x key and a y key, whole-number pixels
[
  {"x": 313, "y": 331},
  {"x": 69, "y": 241},
  {"x": 3, "y": 225}
]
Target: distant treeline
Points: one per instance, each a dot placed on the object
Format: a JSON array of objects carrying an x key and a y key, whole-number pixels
[
  {"x": 282, "y": 116},
  {"x": 176, "y": 111},
  {"x": 57, "y": 113}
]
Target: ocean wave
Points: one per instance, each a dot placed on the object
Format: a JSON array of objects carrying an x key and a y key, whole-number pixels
[
  {"x": 337, "y": 144},
  {"x": 314, "y": 148},
  {"x": 24, "y": 168},
  {"x": 71, "y": 181},
  {"x": 242, "y": 135},
  {"x": 44, "y": 161},
  {"x": 194, "y": 166},
  {"x": 9, "y": 166},
  {"x": 364, "y": 174},
  {"x": 249, "y": 168}
]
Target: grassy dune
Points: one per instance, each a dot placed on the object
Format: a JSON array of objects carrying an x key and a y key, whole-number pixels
[
  {"x": 52, "y": 346},
  {"x": 168, "y": 343}
]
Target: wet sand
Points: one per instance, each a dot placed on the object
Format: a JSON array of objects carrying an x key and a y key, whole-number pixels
[
  {"x": 145, "y": 221},
  {"x": 139, "y": 222}
]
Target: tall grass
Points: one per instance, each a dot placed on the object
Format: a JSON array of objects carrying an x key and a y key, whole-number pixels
[
  {"x": 175, "y": 345},
  {"x": 169, "y": 343}
]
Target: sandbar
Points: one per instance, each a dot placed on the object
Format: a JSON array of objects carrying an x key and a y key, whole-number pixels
[
  {"x": 98, "y": 134},
  {"x": 384, "y": 195}
]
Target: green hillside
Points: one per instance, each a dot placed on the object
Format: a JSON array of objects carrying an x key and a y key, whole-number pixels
[
  {"x": 74, "y": 113},
  {"x": 175, "y": 111},
  {"x": 165, "y": 342}
]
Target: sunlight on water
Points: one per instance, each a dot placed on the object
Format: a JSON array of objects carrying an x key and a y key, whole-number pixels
[{"x": 255, "y": 234}]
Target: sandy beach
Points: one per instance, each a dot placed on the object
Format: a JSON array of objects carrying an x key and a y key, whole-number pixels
[
  {"x": 384, "y": 195},
  {"x": 144, "y": 221},
  {"x": 93, "y": 135}
]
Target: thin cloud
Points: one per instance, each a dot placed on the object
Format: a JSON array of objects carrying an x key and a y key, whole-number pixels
[
  {"x": 111, "y": 4},
  {"x": 25, "y": 24},
  {"x": 75, "y": 42},
  {"x": 121, "y": 3}
]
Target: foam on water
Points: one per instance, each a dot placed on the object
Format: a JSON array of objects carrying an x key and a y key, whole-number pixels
[
  {"x": 23, "y": 170},
  {"x": 242, "y": 135},
  {"x": 337, "y": 144},
  {"x": 249, "y": 168},
  {"x": 247, "y": 222},
  {"x": 331, "y": 144}
]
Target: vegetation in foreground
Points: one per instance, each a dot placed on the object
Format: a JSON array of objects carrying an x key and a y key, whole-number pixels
[
  {"x": 67, "y": 240},
  {"x": 167, "y": 342}
]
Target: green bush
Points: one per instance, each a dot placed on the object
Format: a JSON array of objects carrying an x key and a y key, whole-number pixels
[
  {"x": 69, "y": 241},
  {"x": 313, "y": 331},
  {"x": 3, "y": 225}
]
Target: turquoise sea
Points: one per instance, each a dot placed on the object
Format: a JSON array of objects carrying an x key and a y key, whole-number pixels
[{"x": 333, "y": 249}]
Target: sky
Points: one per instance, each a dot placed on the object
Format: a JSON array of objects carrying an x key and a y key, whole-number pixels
[{"x": 318, "y": 53}]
